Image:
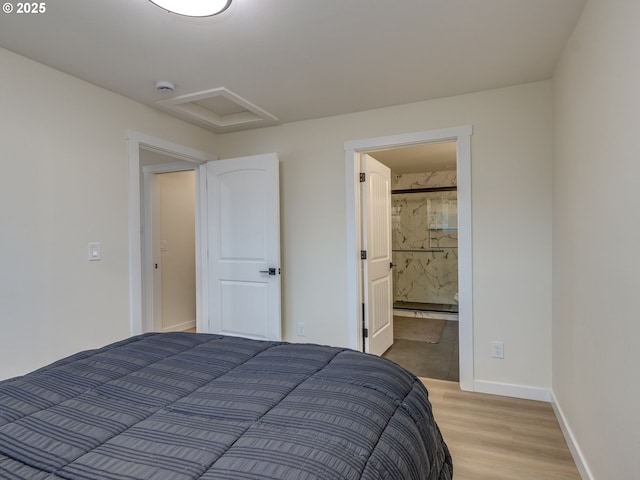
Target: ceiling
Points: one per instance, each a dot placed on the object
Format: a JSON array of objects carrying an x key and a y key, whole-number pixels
[
  {"x": 263, "y": 62},
  {"x": 429, "y": 157}
]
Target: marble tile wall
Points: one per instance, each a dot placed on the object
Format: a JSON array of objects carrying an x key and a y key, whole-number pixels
[
  {"x": 426, "y": 222},
  {"x": 424, "y": 180}
]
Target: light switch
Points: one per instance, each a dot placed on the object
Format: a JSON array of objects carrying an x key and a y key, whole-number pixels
[{"x": 95, "y": 251}]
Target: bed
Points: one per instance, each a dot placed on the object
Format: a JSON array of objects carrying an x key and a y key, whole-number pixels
[{"x": 185, "y": 406}]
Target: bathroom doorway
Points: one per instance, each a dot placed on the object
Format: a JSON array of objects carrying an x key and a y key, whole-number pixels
[
  {"x": 354, "y": 150},
  {"x": 425, "y": 258}
]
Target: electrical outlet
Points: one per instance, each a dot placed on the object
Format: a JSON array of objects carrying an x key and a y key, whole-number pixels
[
  {"x": 300, "y": 329},
  {"x": 497, "y": 349}
]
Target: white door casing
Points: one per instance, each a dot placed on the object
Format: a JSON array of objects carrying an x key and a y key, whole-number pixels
[
  {"x": 152, "y": 239},
  {"x": 244, "y": 247},
  {"x": 377, "y": 267},
  {"x": 353, "y": 150},
  {"x": 138, "y": 278}
]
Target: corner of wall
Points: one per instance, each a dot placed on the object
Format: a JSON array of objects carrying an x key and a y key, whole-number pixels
[{"x": 570, "y": 438}]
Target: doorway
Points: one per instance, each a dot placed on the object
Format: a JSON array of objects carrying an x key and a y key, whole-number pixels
[
  {"x": 169, "y": 201},
  {"x": 171, "y": 157},
  {"x": 425, "y": 258},
  {"x": 353, "y": 152},
  {"x": 168, "y": 210},
  {"x": 216, "y": 232}
]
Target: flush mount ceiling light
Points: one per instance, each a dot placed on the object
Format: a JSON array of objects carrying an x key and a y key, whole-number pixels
[{"x": 194, "y": 8}]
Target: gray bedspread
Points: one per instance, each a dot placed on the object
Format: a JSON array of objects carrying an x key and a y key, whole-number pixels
[{"x": 193, "y": 406}]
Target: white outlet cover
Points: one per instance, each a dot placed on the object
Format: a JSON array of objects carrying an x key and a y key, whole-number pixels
[
  {"x": 95, "y": 251},
  {"x": 497, "y": 349}
]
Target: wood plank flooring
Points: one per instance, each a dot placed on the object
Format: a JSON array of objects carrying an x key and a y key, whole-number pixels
[{"x": 500, "y": 438}]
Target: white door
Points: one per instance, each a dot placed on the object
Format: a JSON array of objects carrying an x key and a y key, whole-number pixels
[
  {"x": 244, "y": 246},
  {"x": 377, "y": 267}
]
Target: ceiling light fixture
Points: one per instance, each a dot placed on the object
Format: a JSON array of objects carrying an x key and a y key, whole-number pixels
[{"x": 194, "y": 8}]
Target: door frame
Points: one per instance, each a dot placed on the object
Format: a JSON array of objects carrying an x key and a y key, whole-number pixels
[
  {"x": 137, "y": 141},
  {"x": 353, "y": 150},
  {"x": 151, "y": 286}
]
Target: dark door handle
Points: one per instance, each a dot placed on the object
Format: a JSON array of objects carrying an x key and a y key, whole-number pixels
[{"x": 271, "y": 271}]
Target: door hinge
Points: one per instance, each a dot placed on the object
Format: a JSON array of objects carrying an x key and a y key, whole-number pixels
[
  {"x": 363, "y": 254},
  {"x": 363, "y": 176},
  {"x": 365, "y": 330}
]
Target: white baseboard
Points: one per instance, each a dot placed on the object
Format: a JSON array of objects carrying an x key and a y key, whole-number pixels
[
  {"x": 574, "y": 448},
  {"x": 180, "y": 327},
  {"x": 510, "y": 390}
]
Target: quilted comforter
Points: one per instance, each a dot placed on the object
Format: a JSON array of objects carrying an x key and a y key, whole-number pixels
[{"x": 185, "y": 406}]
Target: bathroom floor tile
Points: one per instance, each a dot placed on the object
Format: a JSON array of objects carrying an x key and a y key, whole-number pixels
[{"x": 431, "y": 360}]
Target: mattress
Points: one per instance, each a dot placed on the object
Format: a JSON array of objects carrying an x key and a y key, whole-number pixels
[{"x": 185, "y": 406}]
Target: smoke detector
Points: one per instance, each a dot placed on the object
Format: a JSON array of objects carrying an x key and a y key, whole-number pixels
[{"x": 164, "y": 86}]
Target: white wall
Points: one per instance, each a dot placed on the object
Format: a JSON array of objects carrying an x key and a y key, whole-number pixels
[
  {"x": 511, "y": 182},
  {"x": 64, "y": 183},
  {"x": 596, "y": 234},
  {"x": 178, "y": 249}
]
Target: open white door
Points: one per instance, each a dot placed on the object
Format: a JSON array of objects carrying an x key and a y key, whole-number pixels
[
  {"x": 244, "y": 247},
  {"x": 377, "y": 267}
]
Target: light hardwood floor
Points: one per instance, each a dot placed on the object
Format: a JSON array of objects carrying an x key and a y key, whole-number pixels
[{"x": 500, "y": 438}]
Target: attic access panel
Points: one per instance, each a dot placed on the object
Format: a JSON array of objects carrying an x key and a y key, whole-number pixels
[{"x": 219, "y": 110}]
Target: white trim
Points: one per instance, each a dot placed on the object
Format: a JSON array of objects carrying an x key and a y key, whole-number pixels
[
  {"x": 202, "y": 242},
  {"x": 462, "y": 135},
  {"x": 152, "y": 284},
  {"x": 202, "y": 295},
  {"x": 175, "y": 150},
  {"x": 465, "y": 260},
  {"x": 572, "y": 442},
  {"x": 135, "y": 242},
  {"x": 137, "y": 141},
  {"x": 511, "y": 390}
]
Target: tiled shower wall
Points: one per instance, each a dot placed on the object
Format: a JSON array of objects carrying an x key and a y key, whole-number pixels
[{"x": 426, "y": 222}]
